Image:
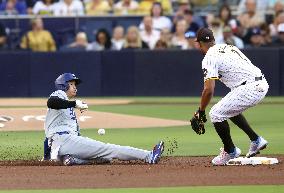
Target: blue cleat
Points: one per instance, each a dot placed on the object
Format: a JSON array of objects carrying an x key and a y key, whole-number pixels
[{"x": 157, "y": 153}]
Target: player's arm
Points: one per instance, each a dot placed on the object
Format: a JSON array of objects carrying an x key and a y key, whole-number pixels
[
  {"x": 55, "y": 102},
  {"x": 207, "y": 93}
]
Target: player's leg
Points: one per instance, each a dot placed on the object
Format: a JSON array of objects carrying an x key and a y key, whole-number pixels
[
  {"x": 242, "y": 123},
  {"x": 86, "y": 148},
  {"x": 257, "y": 142},
  {"x": 46, "y": 150},
  {"x": 237, "y": 101},
  {"x": 223, "y": 129}
]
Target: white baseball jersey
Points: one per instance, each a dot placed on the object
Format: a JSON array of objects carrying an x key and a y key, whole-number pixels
[
  {"x": 60, "y": 120},
  {"x": 228, "y": 64}
]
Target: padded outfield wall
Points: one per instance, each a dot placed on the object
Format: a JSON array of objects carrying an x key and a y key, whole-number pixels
[{"x": 124, "y": 73}]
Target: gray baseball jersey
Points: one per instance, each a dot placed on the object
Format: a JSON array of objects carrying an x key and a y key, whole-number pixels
[
  {"x": 61, "y": 129},
  {"x": 62, "y": 119}
]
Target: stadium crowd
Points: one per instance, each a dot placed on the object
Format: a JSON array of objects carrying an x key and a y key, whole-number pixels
[{"x": 166, "y": 24}]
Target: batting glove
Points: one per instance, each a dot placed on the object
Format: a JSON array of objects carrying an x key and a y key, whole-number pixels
[{"x": 81, "y": 105}]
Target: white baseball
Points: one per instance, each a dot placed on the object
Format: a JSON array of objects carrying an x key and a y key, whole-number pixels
[
  {"x": 101, "y": 131},
  {"x": 1, "y": 125}
]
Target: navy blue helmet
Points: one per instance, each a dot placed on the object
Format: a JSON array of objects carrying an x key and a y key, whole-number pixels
[{"x": 61, "y": 83}]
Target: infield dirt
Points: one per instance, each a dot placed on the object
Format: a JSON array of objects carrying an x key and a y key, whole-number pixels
[{"x": 171, "y": 171}]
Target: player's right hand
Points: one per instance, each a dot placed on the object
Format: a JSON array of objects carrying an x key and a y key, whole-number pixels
[{"x": 81, "y": 105}]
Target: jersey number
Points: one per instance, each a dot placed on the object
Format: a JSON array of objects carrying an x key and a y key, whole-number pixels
[
  {"x": 236, "y": 52},
  {"x": 72, "y": 114}
]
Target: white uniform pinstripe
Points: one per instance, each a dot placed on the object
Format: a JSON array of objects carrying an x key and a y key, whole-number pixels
[{"x": 228, "y": 64}]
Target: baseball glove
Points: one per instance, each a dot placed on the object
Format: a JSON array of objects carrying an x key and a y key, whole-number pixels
[{"x": 197, "y": 122}]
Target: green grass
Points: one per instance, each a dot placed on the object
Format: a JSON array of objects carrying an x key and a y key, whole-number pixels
[
  {"x": 208, "y": 189},
  {"x": 267, "y": 119}
]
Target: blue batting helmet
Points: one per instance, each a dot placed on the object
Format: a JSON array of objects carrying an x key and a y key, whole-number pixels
[{"x": 61, "y": 83}]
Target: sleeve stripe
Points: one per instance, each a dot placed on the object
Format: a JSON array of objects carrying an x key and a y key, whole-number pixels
[{"x": 211, "y": 78}]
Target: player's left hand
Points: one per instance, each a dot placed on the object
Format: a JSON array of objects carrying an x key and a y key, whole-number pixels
[
  {"x": 81, "y": 105},
  {"x": 197, "y": 122}
]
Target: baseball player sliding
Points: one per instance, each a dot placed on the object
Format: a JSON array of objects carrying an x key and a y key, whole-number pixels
[
  {"x": 63, "y": 140},
  {"x": 248, "y": 87}
]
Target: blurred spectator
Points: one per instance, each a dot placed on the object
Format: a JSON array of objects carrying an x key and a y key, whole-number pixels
[
  {"x": 3, "y": 37},
  {"x": 103, "y": 42},
  {"x": 191, "y": 37},
  {"x": 80, "y": 44},
  {"x": 261, "y": 6},
  {"x": 118, "y": 37},
  {"x": 279, "y": 41},
  {"x": 43, "y": 7},
  {"x": 225, "y": 16},
  {"x": 255, "y": 38},
  {"x": 228, "y": 38},
  {"x": 126, "y": 7},
  {"x": 184, "y": 5},
  {"x": 251, "y": 18},
  {"x": 68, "y": 8},
  {"x": 133, "y": 40},
  {"x": 265, "y": 32},
  {"x": 30, "y": 4},
  {"x": 194, "y": 22},
  {"x": 97, "y": 7},
  {"x": 204, "y": 2},
  {"x": 278, "y": 6},
  {"x": 38, "y": 39},
  {"x": 166, "y": 36},
  {"x": 159, "y": 21},
  {"x": 145, "y": 6},
  {"x": 149, "y": 35},
  {"x": 161, "y": 45},
  {"x": 178, "y": 40},
  {"x": 188, "y": 16},
  {"x": 13, "y": 7},
  {"x": 214, "y": 24},
  {"x": 279, "y": 18}
]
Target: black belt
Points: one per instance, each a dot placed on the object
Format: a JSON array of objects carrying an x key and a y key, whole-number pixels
[
  {"x": 62, "y": 132},
  {"x": 255, "y": 79}
]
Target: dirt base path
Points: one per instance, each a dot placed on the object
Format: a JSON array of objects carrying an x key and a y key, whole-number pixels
[{"x": 172, "y": 171}]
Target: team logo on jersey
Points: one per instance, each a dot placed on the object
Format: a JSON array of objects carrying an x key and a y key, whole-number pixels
[{"x": 205, "y": 71}]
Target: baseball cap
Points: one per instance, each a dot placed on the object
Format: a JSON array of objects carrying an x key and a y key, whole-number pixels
[
  {"x": 280, "y": 28},
  {"x": 205, "y": 35},
  {"x": 190, "y": 34},
  {"x": 255, "y": 31}
]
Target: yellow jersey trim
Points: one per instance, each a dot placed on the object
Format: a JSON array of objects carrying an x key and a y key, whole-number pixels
[{"x": 212, "y": 78}]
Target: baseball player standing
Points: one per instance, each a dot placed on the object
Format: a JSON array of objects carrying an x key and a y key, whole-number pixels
[
  {"x": 248, "y": 87},
  {"x": 63, "y": 133}
]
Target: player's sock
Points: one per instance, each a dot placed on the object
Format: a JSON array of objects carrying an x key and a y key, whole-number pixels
[
  {"x": 223, "y": 130},
  {"x": 242, "y": 123}
]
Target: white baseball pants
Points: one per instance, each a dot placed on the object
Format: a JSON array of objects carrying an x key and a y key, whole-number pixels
[{"x": 238, "y": 100}]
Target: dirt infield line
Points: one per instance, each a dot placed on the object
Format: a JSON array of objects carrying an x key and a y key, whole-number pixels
[
  {"x": 35, "y": 102},
  {"x": 27, "y": 119}
]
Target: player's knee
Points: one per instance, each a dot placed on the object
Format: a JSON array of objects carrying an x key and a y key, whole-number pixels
[{"x": 213, "y": 115}]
